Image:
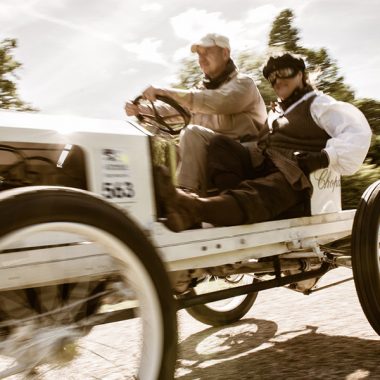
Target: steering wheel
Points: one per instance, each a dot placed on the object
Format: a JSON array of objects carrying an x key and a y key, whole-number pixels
[{"x": 165, "y": 115}]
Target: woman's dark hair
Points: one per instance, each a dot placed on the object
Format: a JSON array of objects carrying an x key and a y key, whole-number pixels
[{"x": 285, "y": 60}]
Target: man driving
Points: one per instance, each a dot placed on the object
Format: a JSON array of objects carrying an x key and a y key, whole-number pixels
[{"x": 227, "y": 102}]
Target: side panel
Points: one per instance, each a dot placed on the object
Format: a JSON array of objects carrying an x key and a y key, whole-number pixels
[
  {"x": 117, "y": 166},
  {"x": 120, "y": 169}
]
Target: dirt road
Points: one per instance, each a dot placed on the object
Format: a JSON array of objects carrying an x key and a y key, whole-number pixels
[{"x": 286, "y": 335}]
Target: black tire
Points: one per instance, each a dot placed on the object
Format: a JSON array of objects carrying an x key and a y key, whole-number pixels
[
  {"x": 231, "y": 310},
  {"x": 366, "y": 254},
  {"x": 27, "y": 207}
]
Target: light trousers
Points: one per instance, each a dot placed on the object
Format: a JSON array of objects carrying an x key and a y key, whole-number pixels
[{"x": 192, "y": 169}]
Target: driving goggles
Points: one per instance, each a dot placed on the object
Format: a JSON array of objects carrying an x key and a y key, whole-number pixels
[{"x": 285, "y": 73}]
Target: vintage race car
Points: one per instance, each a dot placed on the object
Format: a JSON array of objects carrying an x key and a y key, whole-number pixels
[{"x": 82, "y": 244}]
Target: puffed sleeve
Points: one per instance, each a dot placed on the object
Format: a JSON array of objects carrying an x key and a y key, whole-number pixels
[{"x": 349, "y": 130}]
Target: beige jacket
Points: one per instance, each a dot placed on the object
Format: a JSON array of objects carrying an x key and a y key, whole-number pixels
[{"x": 235, "y": 109}]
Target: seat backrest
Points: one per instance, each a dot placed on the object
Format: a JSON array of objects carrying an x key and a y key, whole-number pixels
[{"x": 326, "y": 196}]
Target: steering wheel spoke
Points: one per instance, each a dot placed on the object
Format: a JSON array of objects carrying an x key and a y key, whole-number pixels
[{"x": 164, "y": 115}]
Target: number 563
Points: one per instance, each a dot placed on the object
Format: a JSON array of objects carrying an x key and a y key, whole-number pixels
[{"x": 112, "y": 190}]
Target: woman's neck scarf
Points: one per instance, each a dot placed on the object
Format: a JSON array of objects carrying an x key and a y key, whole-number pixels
[{"x": 297, "y": 94}]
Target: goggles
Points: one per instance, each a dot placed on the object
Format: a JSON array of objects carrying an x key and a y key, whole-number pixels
[{"x": 285, "y": 73}]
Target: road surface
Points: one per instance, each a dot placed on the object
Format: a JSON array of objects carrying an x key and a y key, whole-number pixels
[{"x": 286, "y": 335}]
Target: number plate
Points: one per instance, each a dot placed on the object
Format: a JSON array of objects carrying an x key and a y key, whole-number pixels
[{"x": 116, "y": 175}]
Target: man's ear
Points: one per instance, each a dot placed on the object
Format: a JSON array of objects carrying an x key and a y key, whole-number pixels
[{"x": 226, "y": 54}]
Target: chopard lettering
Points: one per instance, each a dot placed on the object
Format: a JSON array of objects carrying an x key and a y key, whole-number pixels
[{"x": 326, "y": 180}]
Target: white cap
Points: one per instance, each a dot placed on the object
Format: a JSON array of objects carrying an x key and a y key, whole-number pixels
[{"x": 211, "y": 39}]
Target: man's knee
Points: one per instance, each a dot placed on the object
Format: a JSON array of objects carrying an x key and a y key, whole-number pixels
[{"x": 193, "y": 132}]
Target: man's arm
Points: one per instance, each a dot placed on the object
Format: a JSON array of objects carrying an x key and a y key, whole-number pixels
[
  {"x": 238, "y": 95},
  {"x": 150, "y": 93},
  {"x": 238, "y": 102},
  {"x": 235, "y": 96},
  {"x": 183, "y": 97}
]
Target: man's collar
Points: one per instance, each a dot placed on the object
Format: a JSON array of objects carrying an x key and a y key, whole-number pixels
[{"x": 225, "y": 76}]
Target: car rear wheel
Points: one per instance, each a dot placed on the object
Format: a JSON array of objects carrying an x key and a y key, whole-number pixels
[
  {"x": 226, "y": 311},
  {"x": 366, "y": 254}
]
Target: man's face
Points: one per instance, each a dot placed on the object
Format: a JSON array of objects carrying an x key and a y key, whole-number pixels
[{"x": 212, "y": 60}]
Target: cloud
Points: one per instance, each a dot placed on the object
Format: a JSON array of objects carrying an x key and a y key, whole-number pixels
[
  {"x": 151, "y": 7},
  {"x": 147, "y": 50},
  {"x": 262, "y": 15},
  {"x": 193, "y": 23},
  {"x": 181, "y": 53},
  {"x": 75, "y": 54},
  {"x": 249, "y": 32},
  {"x": 130, "y": 71},
  {"x": 16, "y": 13}
]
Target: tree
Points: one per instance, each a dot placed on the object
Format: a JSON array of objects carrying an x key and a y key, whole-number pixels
[
  {"x": 189, "y": 75},
  {"x": 283, "y": 34},
  {"x": 251, "y": 63},
  {"x": 9, "y": 98},
  {"x": 284, "y": 37},
  {"x": 353, "y": 186},
  {"x": 371, "y": 109},
  {"x": 326, "y": 75}
]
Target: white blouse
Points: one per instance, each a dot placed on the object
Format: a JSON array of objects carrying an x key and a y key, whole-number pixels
[{"x": 349, "y": 130}]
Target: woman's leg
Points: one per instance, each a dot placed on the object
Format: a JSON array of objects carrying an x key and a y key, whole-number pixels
[
  {"x": 257, "y": 200},
  {"x": 267, "y": 197},
  {"x": 228, "y": 163}
]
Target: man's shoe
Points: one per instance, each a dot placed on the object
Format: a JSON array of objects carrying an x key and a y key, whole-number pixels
[{"x": 182, "y": 210}]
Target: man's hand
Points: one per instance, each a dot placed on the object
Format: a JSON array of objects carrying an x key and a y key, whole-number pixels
[
  {"x": 131, "y": 109},
  {"x": 312, "y": 161},
  {"x": 151, "y": 92}
]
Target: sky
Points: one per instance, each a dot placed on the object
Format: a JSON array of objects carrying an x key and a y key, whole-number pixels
[{"x": 87, "y": 58}]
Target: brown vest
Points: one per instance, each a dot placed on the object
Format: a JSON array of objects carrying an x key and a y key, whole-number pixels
[{"x": 297, "y": 131}]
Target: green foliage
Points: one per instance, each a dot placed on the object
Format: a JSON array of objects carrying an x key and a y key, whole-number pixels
[
  {"x": 353, "y": 186},
  {"x": 325, "y": 72},
  {"x": 283, "y": 34},
  {"x": 374, "y": 151},
  {"x": 371, "y": 109},
  {"x": 161, "y": 149},
  {"x": 9, "y": 98},
  {"x": 251, "y": 64},
  {"x": 326, "y": 75},
  {"x": 190, "y": 74}
]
